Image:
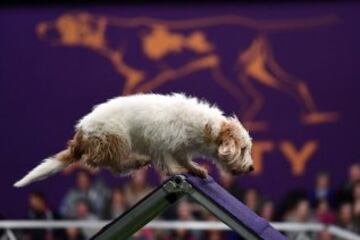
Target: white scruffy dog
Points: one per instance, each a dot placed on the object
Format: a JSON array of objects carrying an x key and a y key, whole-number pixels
[{"x": 126, "y": 133}]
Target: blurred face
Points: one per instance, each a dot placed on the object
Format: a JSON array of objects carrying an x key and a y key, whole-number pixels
[
  {"x": 357, "y": 208},
  {"x": 226, "y": 179},
  {"x": 139, "y": 177},
  {"x": 36, "y": 203},
  {"x": 72, "y": 233},
  {"x": 82, "y": 210},
  {"x": 83, "y": 181},
  {"x": 356, "y": 191},
  {"x": 302, "y": 211},
  {"x": 118, "y": 198},
  {"x": 345, "y": 215},
  {"x": 322, "y": 181},
  {"x": 267, "y": 211},
  {"x": 234, "y": 151},
  {"x": 354, "y": 173},
  {"x": 323, "y": 207},
  {"x": 251, "y": 199},
  {"x": 325, "y": 235},
  {"x": 184, "y": 211}
]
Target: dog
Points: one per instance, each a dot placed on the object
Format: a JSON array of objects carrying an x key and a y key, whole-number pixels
[{"x": 129, "y": 132}]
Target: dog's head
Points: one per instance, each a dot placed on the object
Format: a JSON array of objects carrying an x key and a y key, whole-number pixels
[{"x": 234, "y": 147}]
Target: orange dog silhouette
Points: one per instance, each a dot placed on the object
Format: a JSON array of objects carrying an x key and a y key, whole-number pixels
[{"x": 160, "y": 39}]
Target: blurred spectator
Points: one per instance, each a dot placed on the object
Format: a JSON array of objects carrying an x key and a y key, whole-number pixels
[
  {"x": 39, "y": 210},
  {"x": 356, "y": 191},
  {"x": 356, "y": 206},
  {"x": 325, "y": 235},
  {"x": 83, "y": 189},
  {"x": 74, "y": 234},
  {"x": 184, "y": 213},
  {"x": 83, "y": 212},
  {"x": 267, "y": 210},
  {"x": 356, "y": 214},
  {"x": 289, "y": 202},
  {"x": 344, "y": 194},
  {"x": 228, "y": 182},
  {"x": 214, "y": 235},
  {"x": 217, "y": 234},
  {"x": 117, "y": 204},
  {"x": 322, "y": 190},
  {"x": 138, "y": 187},
  {"x": 300, "y": 214},
  {"x": 323, "y": 212},
  {"x": 345, "y": 217},
  {"x": 252, "y": 199}
]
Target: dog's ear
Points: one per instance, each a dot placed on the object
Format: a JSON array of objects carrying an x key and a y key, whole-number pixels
[
  {"x": 227, "y": 144},
  {"x": 227, "y": 148}
]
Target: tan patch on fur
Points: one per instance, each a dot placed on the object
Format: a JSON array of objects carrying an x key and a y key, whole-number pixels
[
  {"x": 208, "y": 138},
  {"x": 95, "y": 151},
  {"x": 226, "y": 133},
  {"x": 73, "y": 151},
  {"x": 104, "y": 151},
  {"x": 228, "y": 144}
]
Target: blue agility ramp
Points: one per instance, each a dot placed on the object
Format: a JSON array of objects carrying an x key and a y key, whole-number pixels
[{"x": 207, "y": 193}]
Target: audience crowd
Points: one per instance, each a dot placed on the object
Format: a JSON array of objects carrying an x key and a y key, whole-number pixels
[{"x": 91, "y": 199}]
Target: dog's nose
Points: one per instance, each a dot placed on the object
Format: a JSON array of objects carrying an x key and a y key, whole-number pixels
[{"x": 251, "y": 168}]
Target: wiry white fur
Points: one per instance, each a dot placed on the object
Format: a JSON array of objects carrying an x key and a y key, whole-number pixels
[
  {"x": 48, "y": 167},
  {"x": 154, "y": 124},
  {"x": 165, "y": 128}
]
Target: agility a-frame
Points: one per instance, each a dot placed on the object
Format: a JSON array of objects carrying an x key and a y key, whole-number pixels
[{"x": 207, "y": 193}]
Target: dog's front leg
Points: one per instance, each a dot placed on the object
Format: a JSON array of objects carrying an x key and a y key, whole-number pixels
[{"x": 192, "y": 167}]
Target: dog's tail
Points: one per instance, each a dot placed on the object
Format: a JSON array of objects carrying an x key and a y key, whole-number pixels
[
  {"x": 48, "y": 167},
  {"x": 55, "y": 164}
]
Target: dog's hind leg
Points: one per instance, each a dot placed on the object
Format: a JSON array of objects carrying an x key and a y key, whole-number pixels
[
  {"x": 132, "y": 162},
  {"x": 136, "y": 160}
]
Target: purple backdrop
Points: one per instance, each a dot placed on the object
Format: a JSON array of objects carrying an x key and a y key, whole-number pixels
[{"x": 289, "y": 71}]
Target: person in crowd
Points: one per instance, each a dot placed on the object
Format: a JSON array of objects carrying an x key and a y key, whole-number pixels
[
  {"x": 217, "y": 234},
  {"x": 323, "y": 212},
  {"x": 228, "y": 182},
  {"x": 356, "y": 192},
  {"x": 74, "y": 234},
  {"x": 345, "y": 216},
  {"x": 84, "y": 189},
  {"x": 117, "y": 204},
  {"x": 356, "y": 206},
  {"x": 356, "y": 214},
  {"x": 267, "y": 210},
  {"x": 344, "y": 193},
  {"x": 40, "y": 210},
  {"x": 322, "y": 189},
  {"x": 301, "y": 213},
  {"x": 138, "y": 187},
  {"x": 252, "y": 199},
  {"x": 184, "y": 213},
  {"x": 83, "y": 212},
  {"x": 325, "y": 235}
]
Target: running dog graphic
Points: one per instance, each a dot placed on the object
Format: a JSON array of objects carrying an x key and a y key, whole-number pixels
[{"x": 160, "y": 41}]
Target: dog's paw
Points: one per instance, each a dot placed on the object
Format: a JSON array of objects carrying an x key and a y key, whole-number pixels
[{"x": 200, "y": 172}]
